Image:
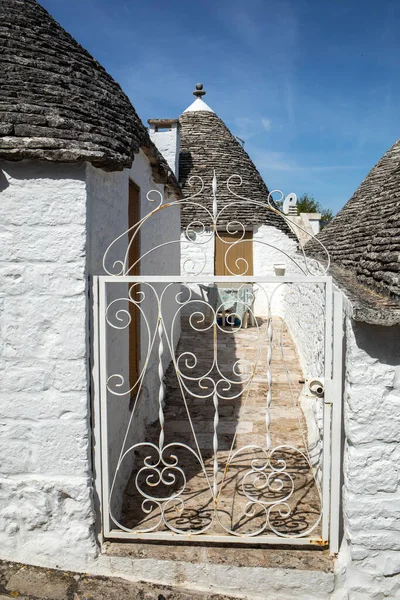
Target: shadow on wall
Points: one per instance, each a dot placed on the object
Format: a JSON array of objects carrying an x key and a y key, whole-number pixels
[
  {"x": 3, "y": 181},
  {"x": 382, "y": 343},
  {"x": 185, "y": 165},
  {"x": 41, "y": 170}
]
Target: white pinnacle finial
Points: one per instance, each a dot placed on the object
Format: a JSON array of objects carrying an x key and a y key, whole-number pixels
[
  {"x": 199, "y": 104},
  {"x": 199, "y": 92}
]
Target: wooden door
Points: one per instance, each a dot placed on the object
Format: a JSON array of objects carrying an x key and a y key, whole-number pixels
[
  {"x": 134, "y": 253},
  {"x": 226, "y": 255}
]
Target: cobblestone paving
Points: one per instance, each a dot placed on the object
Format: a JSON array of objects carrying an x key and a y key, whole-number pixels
[{"x": 283, "y": 493}]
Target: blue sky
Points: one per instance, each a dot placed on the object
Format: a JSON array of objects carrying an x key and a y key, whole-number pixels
[{"x": 312, "y": 86}]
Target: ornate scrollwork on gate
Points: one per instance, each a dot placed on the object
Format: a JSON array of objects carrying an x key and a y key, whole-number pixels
[
  {"x": 198, "y": 232},
  {"x": 220, "y": 475}
]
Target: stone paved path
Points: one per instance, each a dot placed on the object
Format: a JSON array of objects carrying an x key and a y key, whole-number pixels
[{"x": 283, "y": 492}]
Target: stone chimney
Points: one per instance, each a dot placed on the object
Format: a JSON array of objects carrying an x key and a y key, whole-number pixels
[
  {"x": 308, "y": 222},
  {"x": 164, "y": 133}
]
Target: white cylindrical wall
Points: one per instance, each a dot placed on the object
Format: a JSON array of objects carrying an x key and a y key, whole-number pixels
[
  {"x": 108, "y": 206},
  {"x": 45, "y": 471}
]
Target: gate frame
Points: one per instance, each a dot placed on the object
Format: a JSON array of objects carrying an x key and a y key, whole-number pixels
[{"x": 332, "y": 414}]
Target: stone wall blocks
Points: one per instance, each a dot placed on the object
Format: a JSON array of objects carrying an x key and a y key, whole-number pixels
[
  {"x": 50, "y": 279},
  {"x": 13, "y": 279},
  {"x": 43, "y": 405},
  {"x": 379, "y": 540},
  {"x": 56, "y": 279},
  {"x": 364, "y": 523},
  {"x": 358, "y": 505},
  {"x": 363, "y": 371},
  {"x": 41, "y": 504},
  {"x": 23, "y": 377},
  {"x": 364, "y": 398},
  {"x": 64, "y": 243},
  {"x": 70, "y": 375},
  {"x": 372, "y": 469},
  {"x": 16, "y": 455},
  {"x": 359, "y": 552},
  {"x": 381, "y": 430},
  {"x": 61, "y": 448},
  {"x": 35, "y": 327},
  {"x": 48, "y": 447},
  {"x": 41, "y": 375},
  {"x": 29, "y": 205},
  {"x": 373, "y": 415},
  {"x": 392, "y": 566}
]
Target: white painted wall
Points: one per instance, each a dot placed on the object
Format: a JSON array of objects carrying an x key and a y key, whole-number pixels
[
  {"x": 168, "y": 144},
  {"x": 304, "y": 313},
  {"x": 315, "y": 223},
  {"x": 369, "y": 560},
  {"x": 108, "y": 206},
  {"x": 305, "y": 226},
  {"x": 56, "y": 222},
  {"x": 45, "y": 470},
  {"x": 270, "y": 247}
]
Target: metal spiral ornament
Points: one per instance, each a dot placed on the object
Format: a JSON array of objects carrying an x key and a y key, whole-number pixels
[
  {"x": 215, "y": 445},
  {"x": 269, "y": 380},
  {"x": 261, "y": 478},
  {"x": 161, "y": 388}
]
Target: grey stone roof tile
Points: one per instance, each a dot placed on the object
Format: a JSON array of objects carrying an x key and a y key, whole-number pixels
[
  {"x": 57, "y": 103},
  {"x": 364, "y": 237},
  {"x": 207, "y": 144}
]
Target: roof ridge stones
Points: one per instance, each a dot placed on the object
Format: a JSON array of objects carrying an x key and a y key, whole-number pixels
[
  {"x": 206, "y": 144},
  {"x": 364, "y": 237},
  {"x": 57, "y": 103}
]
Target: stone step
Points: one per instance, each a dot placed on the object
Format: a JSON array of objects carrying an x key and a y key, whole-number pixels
[
  {"x": 240, "y": 572},
  {"x": 25, "y": 582}
]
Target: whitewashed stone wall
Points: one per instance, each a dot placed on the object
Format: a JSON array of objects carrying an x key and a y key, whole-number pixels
[
  {"x": 304, "y": 312},
  {"x": 197, "y": 257},
  {"x": 56, "y": 222},
  {"x": 368, "y": 565},
  {"x": 168, "y": 144},
  {"x": 271, "y": 247},
  {"x": 304, "y": 308},
  {"x": 108, "y": 209},
  {"x": 369, "y": 560},
  {"x": 45, "y": 469}
]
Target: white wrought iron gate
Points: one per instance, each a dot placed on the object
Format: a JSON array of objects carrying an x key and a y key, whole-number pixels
[{"x": 228, "y": 428}]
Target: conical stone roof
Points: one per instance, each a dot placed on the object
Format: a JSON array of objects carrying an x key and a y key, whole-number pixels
[
  {"x": 364, "y": 237},
  {"x": 206, "y": 144},
  {"x": 57, "y": 102}
]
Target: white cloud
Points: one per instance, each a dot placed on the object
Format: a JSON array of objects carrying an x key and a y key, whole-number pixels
[
  {"x": 266, "y": 123},
  {"x": 245, "y": 127},
  {"x": 278, "y": 161}
]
